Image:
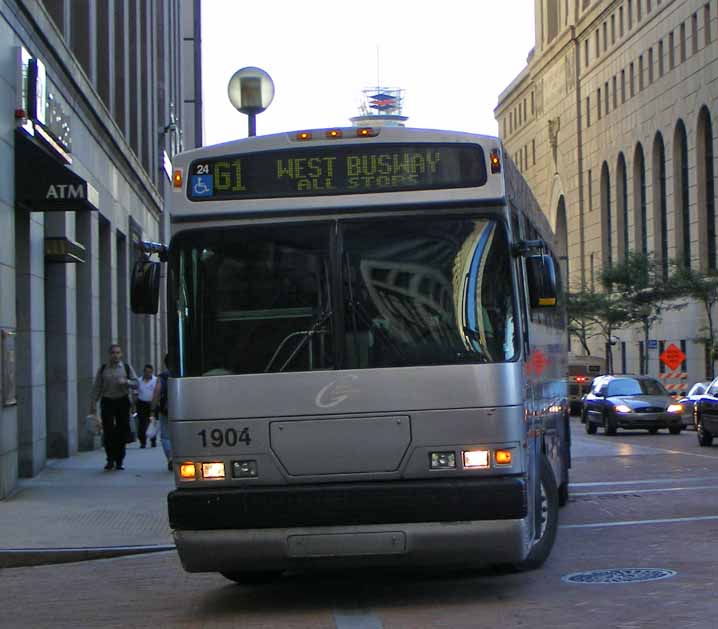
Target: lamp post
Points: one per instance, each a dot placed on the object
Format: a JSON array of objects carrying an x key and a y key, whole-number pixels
[{"x": 251, "y": 91}]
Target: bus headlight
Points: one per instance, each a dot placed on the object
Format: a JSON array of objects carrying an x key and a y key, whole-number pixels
[
  {"x": 212, "y": 471},
  {"x": 675, "y": 408},
  {"x": 442, "y": 460},
  {"x": 474, "y": 459}
]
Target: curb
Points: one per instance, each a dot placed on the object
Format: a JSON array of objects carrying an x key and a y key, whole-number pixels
[{"x": 23, "y": 557}]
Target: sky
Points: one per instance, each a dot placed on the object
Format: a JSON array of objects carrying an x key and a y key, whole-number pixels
[{"x": 452, "y": 58}]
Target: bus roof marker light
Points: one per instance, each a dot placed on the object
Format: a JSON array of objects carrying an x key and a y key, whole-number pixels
[
  {"x": 334, "y": 133},
  {"x": 366, "y": 132},
  {"x": 177, "y": 178},
  {"x": 304, "y": 135},
  {"x": 495, "y": 159}
]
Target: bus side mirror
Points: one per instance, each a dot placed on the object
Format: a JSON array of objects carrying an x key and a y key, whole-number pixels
[
  {"x": 541, "y": 274},
  {"x": 145, "y": 287}
]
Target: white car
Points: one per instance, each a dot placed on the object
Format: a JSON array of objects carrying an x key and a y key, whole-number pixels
[{"x": 695, "y": 392}]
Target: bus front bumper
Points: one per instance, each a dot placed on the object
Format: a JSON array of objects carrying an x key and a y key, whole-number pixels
[
  {"x": 419, "y": 522},
  {"x": 414, "y": 544}
]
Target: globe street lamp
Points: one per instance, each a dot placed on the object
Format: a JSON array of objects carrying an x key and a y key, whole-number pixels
[{"x": 251, "y": 91}]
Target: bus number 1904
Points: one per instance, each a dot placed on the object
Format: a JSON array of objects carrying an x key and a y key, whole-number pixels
[{"x": 228, "y": 437}]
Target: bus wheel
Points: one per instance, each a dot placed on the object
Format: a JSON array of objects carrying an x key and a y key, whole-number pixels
[
  {"x": 252, "y": 578},
  {"x": 546, "y": 520}
]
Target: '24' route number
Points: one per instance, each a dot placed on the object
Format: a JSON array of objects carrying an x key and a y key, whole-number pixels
[{"x": 229, "y": 437}]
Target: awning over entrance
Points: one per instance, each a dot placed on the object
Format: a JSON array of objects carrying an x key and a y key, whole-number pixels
[{"x": 44, "y": 184}]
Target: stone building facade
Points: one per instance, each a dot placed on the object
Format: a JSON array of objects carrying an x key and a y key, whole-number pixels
[
  {"x": 613, "y": 124},
  {"x": 97, "y": 98}
]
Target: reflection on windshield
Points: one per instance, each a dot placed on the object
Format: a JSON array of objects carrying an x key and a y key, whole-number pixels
[
  {"x": 629, "y": 386},
  {"x": 428, "y": 292},
  {"x": 412, "y": 292}
]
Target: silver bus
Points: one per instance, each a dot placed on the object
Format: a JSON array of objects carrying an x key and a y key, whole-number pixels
[{"x": 367, "y": 345}]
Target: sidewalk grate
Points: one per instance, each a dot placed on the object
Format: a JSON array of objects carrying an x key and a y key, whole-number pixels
[{"x": 619, "y": 575}]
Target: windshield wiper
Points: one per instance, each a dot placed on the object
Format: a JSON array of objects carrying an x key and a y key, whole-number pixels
[{"x": 306, "y": 337}]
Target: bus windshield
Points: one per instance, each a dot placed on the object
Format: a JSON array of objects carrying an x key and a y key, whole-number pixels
[{"x": 349, "y": 294}]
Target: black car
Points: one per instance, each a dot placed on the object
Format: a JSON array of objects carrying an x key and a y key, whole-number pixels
[
  {"x": 705, "y": 414},
  {"x": 626, "y": 401}
]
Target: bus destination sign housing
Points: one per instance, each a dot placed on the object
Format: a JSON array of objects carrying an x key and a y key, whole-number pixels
[{"x": 340, "y": 169}]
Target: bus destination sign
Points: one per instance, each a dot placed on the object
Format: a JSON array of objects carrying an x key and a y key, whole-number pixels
[{"x": 338, "y": 169}]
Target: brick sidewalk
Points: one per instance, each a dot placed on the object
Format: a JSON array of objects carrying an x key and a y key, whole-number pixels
[{"x": 74, "y": 504}]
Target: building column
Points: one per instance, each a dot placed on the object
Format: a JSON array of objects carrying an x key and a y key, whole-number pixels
[
  {"x": 61, "y": 344},
  {"x": 89, "y": 351},
  {"x": 30, "y": 341},
  {"x": 8, "y": 322}
]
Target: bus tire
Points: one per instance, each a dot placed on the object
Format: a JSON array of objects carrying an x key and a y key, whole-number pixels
[
  {"x": 546, "y": 520},
  {"x": 252, "y": 578}
]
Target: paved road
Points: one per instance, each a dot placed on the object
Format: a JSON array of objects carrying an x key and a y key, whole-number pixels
[{"x": 638, "y": 501}]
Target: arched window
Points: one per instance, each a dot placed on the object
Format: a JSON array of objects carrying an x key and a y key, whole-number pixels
[
  {"x": 562, "y": 239},
  {"x": 660, "y": 210},
  {"x": 606, "y": 223},
  {"x": 706, "y": 190},
  {"x": 622, "y": 208},
  {"x": 680, "y": 194},
  {"x": 640, "y": 211}
]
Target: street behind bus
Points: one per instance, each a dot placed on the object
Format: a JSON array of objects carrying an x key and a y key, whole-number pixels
[{"x": 638, "y": 501}]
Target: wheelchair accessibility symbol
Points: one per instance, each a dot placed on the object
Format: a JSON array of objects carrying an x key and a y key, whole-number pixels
[{"x": 202, "y": 185}]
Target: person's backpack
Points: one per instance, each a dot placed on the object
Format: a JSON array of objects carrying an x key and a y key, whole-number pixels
[
  {"x": 163, "y": 392},
  {"x": 127, "y": 370}
]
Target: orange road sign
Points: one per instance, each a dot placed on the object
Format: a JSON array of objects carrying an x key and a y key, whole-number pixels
[{"x": 672, "y": 356}]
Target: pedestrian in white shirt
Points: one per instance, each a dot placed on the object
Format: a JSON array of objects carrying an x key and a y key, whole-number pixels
[{"x": 145, "y": 391}]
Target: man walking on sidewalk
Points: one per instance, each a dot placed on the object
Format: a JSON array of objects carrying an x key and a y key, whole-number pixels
[{"x": 115, "y": 387}]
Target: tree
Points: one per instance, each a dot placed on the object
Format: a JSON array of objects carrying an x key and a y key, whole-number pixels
[
  {"x": 702, "y": 287},
  {"x": 639, "y": 282},
  {"x": 592, "y": 314}
]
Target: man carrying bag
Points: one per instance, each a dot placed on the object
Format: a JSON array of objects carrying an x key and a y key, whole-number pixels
[{"x": 115, "y": 386}]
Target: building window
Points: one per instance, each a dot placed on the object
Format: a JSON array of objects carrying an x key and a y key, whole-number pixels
[
  {"x": 605, "y": 96},
  {"x": 598, "y": 44},
  {"x": 648, "y": 6},
  {"x": 638, "y": 10},
  {"x": 588, "y": 111},
  {"x": 623, "y": 86},
  {"x": 682, "y": 42},
  {"x": 706, "y": 190},
  {"x": 671, "y": 51},
  {"x": 606, "y": 227},
  {"x": 640, "y": 211},
  {"x": 694, "y": 32},
  {"x": 660, "y": 210},
  {"x": 622, "y": 207},
  {"x": 598, "y": 103},
  {"x": 640, "y": 73},
  {"x": 592, "y": 266},
  {"x": 632, "y": 79},
  {"x": 630, "y": 14},
  {"x": 590, "y": 191},
  {"x": 585, "y": 54},
  {"x": 650, "y": 65},
  {"x": 533, "y": 152},
  {"x": 707, "y": 23},
  {"x": 613, "y": 29},
  {"x": 620, "y": 22},
  {"x": 533, "y": 104},
  {"x": 660, "y": 58},
  {"x": 605, "y": 36},
  {"x": 680, "y": 194},
  {"x": 615, "y": 93}
]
